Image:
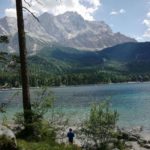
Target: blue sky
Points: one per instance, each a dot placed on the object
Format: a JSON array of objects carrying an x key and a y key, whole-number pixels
[
  {"x": 131, "y": 21},
  {"x": 130, "y": 17}
]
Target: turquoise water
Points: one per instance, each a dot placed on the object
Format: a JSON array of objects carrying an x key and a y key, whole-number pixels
[{"x": 131, "y": 100}]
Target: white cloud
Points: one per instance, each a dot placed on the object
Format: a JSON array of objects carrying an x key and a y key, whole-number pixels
[
  {"x": 148, "y": 14},
  {"x": 57, "y": 7},
  {"x": 11, "y": 12},
  {"x": 146, "y": 33},
  {"x": 13, "y": 2},
  {"x": 121, "y": 11},
  {"x": 94, "y": 3},
  {"x": 114, "y": 13},
  {"x": 62, "y": 6},
  {"x": 138, "y": 38},
  {"x": 146, "y": 22}
]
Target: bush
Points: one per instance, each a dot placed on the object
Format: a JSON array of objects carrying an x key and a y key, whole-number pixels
[
  {"x": 39, "y": 127},
  {"x": 99, "y": 127}
]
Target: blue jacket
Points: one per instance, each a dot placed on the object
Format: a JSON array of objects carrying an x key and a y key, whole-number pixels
[{"x": 70, "y": 135}]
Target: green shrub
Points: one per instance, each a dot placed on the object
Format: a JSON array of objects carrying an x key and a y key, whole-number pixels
[
  {"x": 120, "y": 145},
  {"x": 99, "y": 127},
  {"x": 39, "y": 126}
]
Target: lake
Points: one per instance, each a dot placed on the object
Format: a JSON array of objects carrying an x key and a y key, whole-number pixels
[{"x": 131, "y": 100}]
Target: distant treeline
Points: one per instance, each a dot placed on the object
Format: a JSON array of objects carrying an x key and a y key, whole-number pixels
[{"x": 44, "y": 79}]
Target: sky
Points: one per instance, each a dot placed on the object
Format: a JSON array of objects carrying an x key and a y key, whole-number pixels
[{"x": 129, "y": 17}]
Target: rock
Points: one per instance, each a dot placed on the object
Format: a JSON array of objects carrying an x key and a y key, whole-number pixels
[
  {"x": 142, "y": 141},
  {"x": 122, "y": 140},
  {"x": 137, "y": 136},
  {"x": 132, "y": 138},
  {"x": 129, "y": 135},
  {"x": 146, "y": 146},
  {"x": 7, "y": 139},
  {"x": 110, "y": 145},
  {"x": 115, "y": 149},
  {"x": 136, "y": 146},
  {"x": 113, "y": 140},
  {"x": 125, "y": 135},
  {"x": 128, "y": 144},
  {"x": 15, "y": 128}
]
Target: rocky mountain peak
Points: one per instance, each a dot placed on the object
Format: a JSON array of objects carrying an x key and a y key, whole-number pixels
[
  {"x": 9, "y": 24},
  {"x": 68, "y": 29},
  {"x": 71, "y": 14},
  {"x": 46, "y": 15}
]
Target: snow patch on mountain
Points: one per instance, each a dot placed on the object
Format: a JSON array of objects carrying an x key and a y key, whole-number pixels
[{"x": 68, "y": 29}]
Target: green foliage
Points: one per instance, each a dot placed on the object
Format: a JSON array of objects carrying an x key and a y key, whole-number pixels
[
  {"x": 45, "y": 145},
  {"x": 57, "y": 65},
  {"x": 39, "y": 127},
  {"x": 60, "y": 123},
  {"x": 41, "y": 105},
  {"x": 2, "y": 57},
  {"x": 3, "y": 107},
  {"x": 38, "y": 130},
  {"x": 100, "y": 125},
  {"x": 4, "y": 39},
  {"x": 43, "y": 136},
  {"x": 120, "y": 145}
]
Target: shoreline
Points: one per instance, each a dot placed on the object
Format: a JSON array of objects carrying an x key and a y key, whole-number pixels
[
  {"x": 136, "y": 137},
  {"x": 80, "y": 85}
]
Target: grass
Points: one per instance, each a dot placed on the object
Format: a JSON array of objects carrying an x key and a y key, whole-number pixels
[
  {"x": 44, "y": 145},
  {"x": 47, "y": 140}
]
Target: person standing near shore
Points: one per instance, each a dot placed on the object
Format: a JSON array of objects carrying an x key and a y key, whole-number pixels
[{"x": 70, "y": 136}]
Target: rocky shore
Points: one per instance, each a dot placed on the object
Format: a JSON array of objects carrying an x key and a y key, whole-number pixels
[{"x": 133, "y": 138}]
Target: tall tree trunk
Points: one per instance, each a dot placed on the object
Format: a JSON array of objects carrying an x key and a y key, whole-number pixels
[{"x": 23, "y": 60}]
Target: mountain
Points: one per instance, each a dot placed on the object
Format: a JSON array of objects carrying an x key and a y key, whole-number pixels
[
  {"x": 123, "y": 58},
  {"x": 68, "y": 29},
  {"x": 132, "y": 57},
  {"x": 64, "y": 58},
  {"x": 127, "y": 57},
  {"x": 8, "y": 25},
  {"x": 36, "y": 36},
  {"x": 57, "y": 65}
]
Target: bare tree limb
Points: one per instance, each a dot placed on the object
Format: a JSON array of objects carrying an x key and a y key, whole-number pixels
[
  {"x": 30, "y": 1},
  {"x": 59, "y": 1},
  {"x": 31, "y": 13},
  {"x": 39, "y": 2},
  {"x": 27, "y": 3}
]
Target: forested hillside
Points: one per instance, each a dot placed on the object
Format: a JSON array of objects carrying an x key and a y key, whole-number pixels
[{"x": 57, "y": 65}]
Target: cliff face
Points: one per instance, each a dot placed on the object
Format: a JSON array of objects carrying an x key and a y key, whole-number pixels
[{"x": 68, "y": 29}]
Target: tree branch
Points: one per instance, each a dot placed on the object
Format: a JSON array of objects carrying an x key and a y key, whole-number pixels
[
  {"x": 27, "y": 3},
  {"x": 39, "y": 2},
  {"x": 31, "y": 13}
]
